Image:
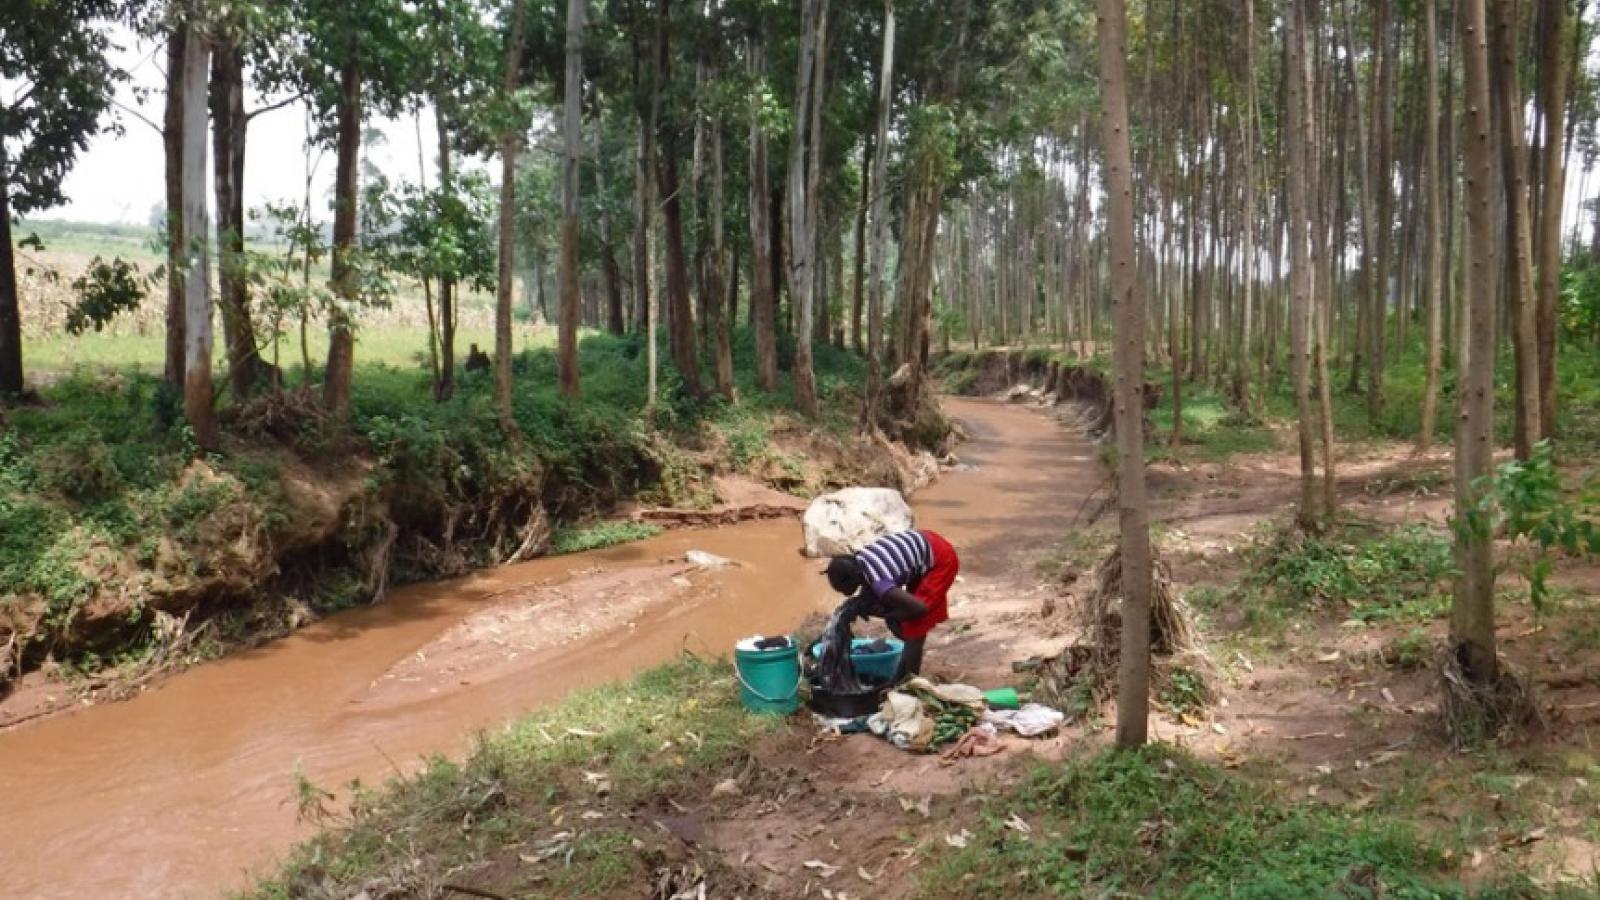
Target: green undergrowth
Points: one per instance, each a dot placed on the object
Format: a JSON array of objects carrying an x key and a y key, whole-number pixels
[
  {"x": 1360, "y": 572},
  {"x": 1212, "y": 430},
  {"x": 1158, "y": 823},
  {"x": 548, "y": 799}
]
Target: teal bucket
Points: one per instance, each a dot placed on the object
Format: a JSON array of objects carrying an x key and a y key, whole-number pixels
[
  {"x": 881, "y": 666},
  {"x": 769, "y": 680}
]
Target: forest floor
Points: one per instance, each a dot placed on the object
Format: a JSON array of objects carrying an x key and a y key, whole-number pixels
[{"x": 1322, "y": 768}]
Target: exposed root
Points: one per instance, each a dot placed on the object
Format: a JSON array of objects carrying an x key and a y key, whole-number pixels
[
  {"x": 1474, "y": 713},
  {"x": 1171, "y": 627},
  {"x": 1085, "y": 674},
  {"x": 535, "y": 536}
]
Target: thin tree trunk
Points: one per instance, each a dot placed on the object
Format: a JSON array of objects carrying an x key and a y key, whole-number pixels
[
  {"x": 763, "y": 299},
  {"x": 803, "y": 200},
  {"x": 1514, "y": 168},
  {"x": 247, "y": 371},
  {"x": 1300, "y": 274},
  {"x": 341, "y": 334},
  {"x": 510, "y": 146},
  {"x": 1553, "y": 100},
  {"x": 680, "y": 321},
  {"x": 877, "y": 250},
  {"x": 616, "y": 321},
  {"x": 1472, "y": 635},
  {"x": 571, "y": 163},
  {"x": 1433, "y": 281},
  {"x": 11, "y": 372},
  {"x": 197, "y": 389},
  {"x": 1133, "y": 678},
  {"x": 447, "y": 286},
  {"x": 719, "y": 318},
  {"x": 1383, "y": 185},
  {"x": 172, "y": 142},
  {"x": 858, "y": 281}
]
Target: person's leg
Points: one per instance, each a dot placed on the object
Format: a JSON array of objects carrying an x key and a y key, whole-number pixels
[{"x": 910, "y": 659}]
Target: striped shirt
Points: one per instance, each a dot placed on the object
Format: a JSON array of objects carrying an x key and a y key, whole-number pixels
[{"x": 896, "y": 560}]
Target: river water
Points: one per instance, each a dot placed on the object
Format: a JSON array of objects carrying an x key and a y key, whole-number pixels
[{"x": 187, "y": 789}]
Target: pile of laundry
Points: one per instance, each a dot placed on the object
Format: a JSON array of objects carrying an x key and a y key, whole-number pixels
[{"x": 956, "y": 720}]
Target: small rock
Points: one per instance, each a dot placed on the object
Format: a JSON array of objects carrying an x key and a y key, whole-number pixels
[
  {"x": 708, "y": 560},
  {"x": 726, "y": 788}
]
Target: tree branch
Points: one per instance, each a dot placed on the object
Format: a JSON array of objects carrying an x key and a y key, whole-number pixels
[
  {"x": 138, "y": 115},
  {"x": 273, "y": 107}
]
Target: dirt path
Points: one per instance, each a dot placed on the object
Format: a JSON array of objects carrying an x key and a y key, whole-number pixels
[{"x": 185, "y": 789}]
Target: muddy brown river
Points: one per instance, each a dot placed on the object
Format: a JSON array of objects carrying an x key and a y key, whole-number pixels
[{"x": 188, "y": 789}]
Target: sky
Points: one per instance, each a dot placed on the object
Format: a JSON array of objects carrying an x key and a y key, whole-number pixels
[{"x": 121, "y": 178}]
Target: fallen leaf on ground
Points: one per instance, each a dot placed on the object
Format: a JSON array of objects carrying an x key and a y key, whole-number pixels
[
  {"x": 958, "y": 841},
  {"x": 582, "y": 732},
  {"x": 822, "y": 869},
  {"x": 864, "y": 875},
  {"x": 1388, "y": 695},
  {"x": 1329, "y": 657},
  {"x": 923, "y": 806},
  {"x": 1218, "y": 728},
  {"x": 1015, "y": 823}
]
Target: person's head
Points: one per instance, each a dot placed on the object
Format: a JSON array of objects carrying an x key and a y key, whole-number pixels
[{"x": 845, "y": 574}]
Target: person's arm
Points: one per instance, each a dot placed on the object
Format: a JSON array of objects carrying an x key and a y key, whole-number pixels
[{"x": 898, "y": 605}]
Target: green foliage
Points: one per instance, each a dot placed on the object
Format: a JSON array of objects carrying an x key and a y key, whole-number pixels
[
  {"x": 105, "y": 290},
  {"x": 1389, "y": 575},
  {"x": 1527, "y": 500},
  {"x": 568, "y": 539},
  {"x": 1185, "y": 692},
  {"x": 1156, "y": 822}
]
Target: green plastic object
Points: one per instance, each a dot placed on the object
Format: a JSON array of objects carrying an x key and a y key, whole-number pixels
[
  {"x": 1002, "y": 698},
  {"x": 769, "y": 680}
]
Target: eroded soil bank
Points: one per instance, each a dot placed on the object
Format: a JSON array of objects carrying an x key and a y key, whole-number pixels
[{"x": 185, "y": 789}]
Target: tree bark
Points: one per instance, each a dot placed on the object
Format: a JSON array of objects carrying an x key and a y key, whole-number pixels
[
  {"x": 447, "y": 285},
  {"x": 197, "y": 389},
  {"x": 763, "y": 299},
  {"x": 1133, "y": 678},
  {"x": 616, "y": 321},
  {"x": 878, "y": 246},
  {"x": 1514, "y": 168},
  {"x": 1300, "y": 274},
  {"x": 1433, "y": 280},
  {"x": 510, "y": 146},
  {"x": 247, "y": 371},
  {"x": 341, "y": 335},
  {"x": 1472, "y": 635},
  {"x": 172, "y": 143},
  {"x": 572, "y": 158},
  {"x": 1553, "y": 100},
  {"x": 11, "y": 372},
  {"x": 858, "y": 282},
  {"x": 1383, "y": 186},
  {"x": 805, "y": 142},
  {"x": 719, "y": 315},
  {"x": 680, "y": 313}
]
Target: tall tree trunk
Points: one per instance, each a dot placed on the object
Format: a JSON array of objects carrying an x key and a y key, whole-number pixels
[
  {"x": 1434, "y": 171},
  {"x": 680, "y": 321},
  {"x": 719, "y": 310},
  {"x": 247, "y": 371},
  {"x": 803, "y": 201},
  {"x": 1133, "y": 678},
  {"x": 858, "y": 280},
  {"x": 346, "y": 195},
  {"x": 1300, "y": 273},
  {"x": 1553, "y": 100},
  {"x": 1241, "y": 361},
  {"x": 447, "y": 285},
  {"x": 572, "y": 158},
  {"x": 1383, "y": 186},
  {"x": 877, "y": 249},
  {"x": 763, "y": 298},
  {"x": 1514, "y": 166},
  {"x": 616, "y": 322},
  {"x": 1472, "y": 635},
  {"x": 11, "y": 380},
  {"x": 510, "y": 147},
  {"x": 172, "y": 142},
  {"x": 197, "y": 391}
]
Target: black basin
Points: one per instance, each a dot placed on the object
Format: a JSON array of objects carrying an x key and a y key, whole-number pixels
[{"x": 848, "y": 706}]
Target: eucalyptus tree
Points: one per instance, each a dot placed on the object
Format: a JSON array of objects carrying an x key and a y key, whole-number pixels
[{"x": 59, "y": 85}]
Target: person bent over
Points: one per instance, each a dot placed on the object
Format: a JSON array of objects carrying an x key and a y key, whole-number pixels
[{"x": 903, "y": 578}]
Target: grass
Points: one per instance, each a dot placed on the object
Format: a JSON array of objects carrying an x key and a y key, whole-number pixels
[
  {"x": 546, "y": 798},
  {"x": 1158, "y": 823},
  {"x": 1214, "y": 431},
  {"x": 571, "y": 539}
]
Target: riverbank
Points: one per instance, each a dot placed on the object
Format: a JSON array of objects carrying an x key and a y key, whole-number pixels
[{"x": 126, "y": 555}]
